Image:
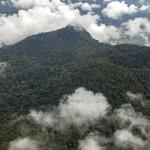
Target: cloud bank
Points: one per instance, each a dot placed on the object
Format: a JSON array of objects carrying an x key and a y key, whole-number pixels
[{"x": 47, "y": 16}]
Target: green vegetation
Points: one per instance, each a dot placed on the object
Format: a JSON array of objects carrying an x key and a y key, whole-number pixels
[{"x": 43, "y": 68}]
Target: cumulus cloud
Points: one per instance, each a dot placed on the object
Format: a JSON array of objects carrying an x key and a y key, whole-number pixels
[
  {"x": 104, "y": 33},
  {"x": 85, "y": 6},
  {"x": 47, "y": 16},
  {"x": 101, "y": 32},
  {"x": 145, "y": 8},
  {"x": 80, "y": 108},
  {"x": 116, "y": 9},
  {"x": 84, "y": 106},
  {"x": 137, "y": 28},
  {"x": 89, "y": 7},
  {"x": 44, "y": 19},
  {"x": 23, "y": 144},
  {"x": 27, "y": 3}
]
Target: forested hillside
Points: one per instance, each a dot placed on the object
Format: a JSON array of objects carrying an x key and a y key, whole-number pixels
[{"x": 41, "y": 69}]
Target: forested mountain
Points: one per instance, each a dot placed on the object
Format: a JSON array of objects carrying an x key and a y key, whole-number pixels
[{"x": 43, "y": 68}]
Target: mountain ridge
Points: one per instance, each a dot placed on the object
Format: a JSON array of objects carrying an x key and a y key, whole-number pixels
[
  {"x": 47, "y": 64},
  {"x": 69, "y": 37},
  {"x": 40, "y": 73}
]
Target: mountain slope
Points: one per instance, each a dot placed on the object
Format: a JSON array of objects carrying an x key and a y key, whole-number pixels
[{"x": 42, "y": 68}]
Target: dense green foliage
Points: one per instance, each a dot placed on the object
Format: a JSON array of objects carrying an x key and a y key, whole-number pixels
[{"x": 43, "y": 68}]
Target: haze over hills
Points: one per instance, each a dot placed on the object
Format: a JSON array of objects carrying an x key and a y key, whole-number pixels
[{"x": 41, "y": 69}]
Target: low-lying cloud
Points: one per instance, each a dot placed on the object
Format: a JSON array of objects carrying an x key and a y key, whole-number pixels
[
  {"x": 125, "y": 139},
  {"x": 126, "y": 114},
  {"x": 3, "y": 67},
  {"x": 134, "y": 97},
  {"x": 91, "y": 142},
  {"x": 23, "y": 144},
  {"x": 83, "y": 107}
]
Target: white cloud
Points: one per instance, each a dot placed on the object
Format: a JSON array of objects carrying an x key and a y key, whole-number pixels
[
  {"x": 3, "y": 66},
  {"x": 46, "y": 119},
  {"x": 42, "y": 18},
  {"x": 79, "y": 108},
  {"x": 125, "y": 138},
  {"x": 91, "y": 142},
  {"x": 23, "y": 4},
  {"x": 101, "y": 32},
  {"x": 130, "y": 120},
  {"x": 126, "y": 113},
  {"x": 104, "y": 33},
  {"x": 23, "y": 144},
  {"x": 86, "y": 7},
  {"x": 47, "y": 16},
  {"x": 117, "y": 9},
  {"x": 138, "y": 28},
  {"x": 89, "y": 7},
  {"x": 32, "y": 3},
  {"x": 145, "y": 8},
  {"x": 133, "y": 96},
  {"x": 3, "y": 2},
  {"x": 83, "y": 106}
]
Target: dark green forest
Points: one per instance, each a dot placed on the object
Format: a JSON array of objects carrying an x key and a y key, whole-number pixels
[{"x": 42, "y": 68}]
